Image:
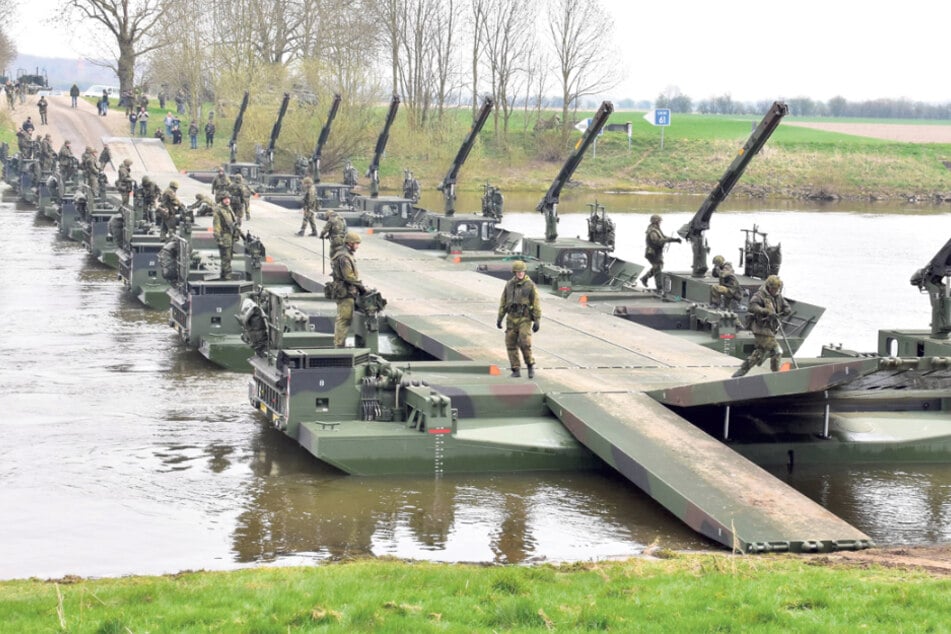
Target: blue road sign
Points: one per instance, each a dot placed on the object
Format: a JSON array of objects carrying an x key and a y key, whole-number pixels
[{"x": 658, "y": 117}]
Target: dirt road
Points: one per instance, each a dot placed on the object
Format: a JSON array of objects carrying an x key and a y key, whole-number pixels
[{"x": 905, "y": 133}]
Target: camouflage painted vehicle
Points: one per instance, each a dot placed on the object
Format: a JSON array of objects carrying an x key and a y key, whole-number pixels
[
  {"x": 97, "y": 238},
  {"x": 374, "y": 417}
]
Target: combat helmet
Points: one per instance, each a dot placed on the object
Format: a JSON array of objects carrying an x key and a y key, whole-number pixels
[
  {"x": 308, "y": 180},
  {"x": 352, "y": 237},
  {"x": 718, "y": 260},
  {"x": 238, "y": 178},
  {"x": 655, "y": 219},
  {"x": 518, "y": 265},
  {"x": 127, "y": 162},
  {"x": 773, "y": 283},
  {"x": 173, "y": 184}
]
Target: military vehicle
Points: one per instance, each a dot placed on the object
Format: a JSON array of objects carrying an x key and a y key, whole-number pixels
[
  {"x": 96, "y": 235},
  {"x": 331, "y": 195},
  {"x": 376, "y": 210},
  {"x": 35, "y": 81},
  {"x": 452, "y": 233}
]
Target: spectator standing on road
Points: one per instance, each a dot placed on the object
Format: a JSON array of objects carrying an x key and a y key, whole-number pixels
[
  {"x": 74, "y": 94},
  {"x": 42, "y": 105},
  {"x": 143, "y": 118}
]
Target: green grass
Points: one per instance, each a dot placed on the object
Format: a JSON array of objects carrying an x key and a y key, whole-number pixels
[{"x": 684, "y": 593}]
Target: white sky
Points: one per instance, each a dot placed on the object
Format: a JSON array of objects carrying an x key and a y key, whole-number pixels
[{"x": 753, "y": 50}]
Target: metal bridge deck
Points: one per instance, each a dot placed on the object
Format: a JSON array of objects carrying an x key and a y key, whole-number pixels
[{"x": 595, "y": 370}]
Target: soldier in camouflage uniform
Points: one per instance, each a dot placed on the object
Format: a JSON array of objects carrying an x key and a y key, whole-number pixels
[
  {"x": 347, "y": 286},
  {"x": 309, "y": 207},
  {"x": 220, "y": 185},
  {"x": 124, "y": 182},
  {"x": 241, "y": 197},
  {"x": 654, "y": 252},
  {"x": 149, "y": 192},
  {"x": 522, "y": 311},
  {"x": 67, "y": 162},
  {"x": 225, "y": 226},
  {"x": 203, "y": 206},
  {"x": 169, "y": 208},
  {"x": 335, "y": 228},
  {"x": 46, "y": 153},
  {"x": 90, "y": 167},
  {"x": 767, "y": 308},
  {"x": 722, "y": 295},
  {"x": 718, "y": 262}
]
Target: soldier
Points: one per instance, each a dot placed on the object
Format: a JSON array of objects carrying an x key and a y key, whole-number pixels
[
  {"x": 221, "y": 185},
  {"x": 67, "y": 162},
  {"x": 767, "y": 308},
  {"x": 42, "y": 104},
  {"x": 124, "y": 182},
  {"x": 309, "y": 207},
  {"x": 523, "y": 312},
  {"x": 149, "y": 192},
  {"x": 46, "y": 153},
  {"x": 241, "y": 195},
  {"x": 718, "y": 262},
  {"x": 722, "y": 295},
  {"x": 105, "y": 157},
  {"x": 335, "y": 228},
  {"x": 203, "y": 206},
  {"x": 91, "y": 169},
  {"x": 656, "y": 241},
  {"x": 169, "y": 208},
  {"x": 349, "y": 174},
  {"x": 225, "y": 226},
  {"x": 210, "y": 134},
  {"x": 346, "y": 286}
]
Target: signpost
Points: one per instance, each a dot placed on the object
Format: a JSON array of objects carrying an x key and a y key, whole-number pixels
[{"x": 658, "y": 117}]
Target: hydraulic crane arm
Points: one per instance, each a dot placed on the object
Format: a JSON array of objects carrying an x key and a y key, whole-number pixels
[
  {"x": 694, "y": 230},
  {"x": 549, "y": 204},
  {"x": 238, "y": 120},
  {"x": 448, "y": 185},
  {"x": 373, "y": 171},
  {"x": 322, "y": 139},
  {"x": 933, "y": 279},
  {"x": 276, "y": 131}
]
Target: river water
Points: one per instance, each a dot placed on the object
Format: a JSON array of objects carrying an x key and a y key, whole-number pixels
[{"x": 123, "y": 454}]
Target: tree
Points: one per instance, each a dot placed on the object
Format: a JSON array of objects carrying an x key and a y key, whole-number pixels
[
  {"x": 8, "y": 50},
  {"x": 580, "y": 32},
  {"x": 508, "y": 49},
  {"x": 131, "y": 25}
]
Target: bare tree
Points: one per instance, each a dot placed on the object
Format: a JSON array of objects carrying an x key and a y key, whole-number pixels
[
  {"x": 131, "y": 25},
  {"x": 477, "y": 18},
  {"x": 508, "y": 45},
  {"x": 581, "y": 31}
]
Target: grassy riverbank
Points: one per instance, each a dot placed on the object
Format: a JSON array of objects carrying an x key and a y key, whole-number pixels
[
  {"x": 683, "y": 593},
  {"x": 797, "y": 162}
]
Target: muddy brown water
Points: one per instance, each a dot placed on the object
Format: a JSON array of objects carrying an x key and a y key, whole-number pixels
[{"x": 123, "y": 454}]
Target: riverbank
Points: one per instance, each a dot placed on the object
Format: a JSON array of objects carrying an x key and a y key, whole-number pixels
[{"x": 669, "y": 592}]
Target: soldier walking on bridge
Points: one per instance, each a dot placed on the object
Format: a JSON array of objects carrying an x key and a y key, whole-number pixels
[
  {"x": 767, "y": 309},
  {"x": 522, "y": 311},
  {"x": 309, "y": 207},
  {"x": 654, "y": 252},
  {"x": 124, "y": 182},
  {"x": 335, "y": 228}
]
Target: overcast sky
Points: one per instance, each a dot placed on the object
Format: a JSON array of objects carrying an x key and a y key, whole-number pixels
[{"x": 753, "y": 50}]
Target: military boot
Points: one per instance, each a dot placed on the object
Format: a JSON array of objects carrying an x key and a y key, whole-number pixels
[
  {"x": 743, "y": 370},
  {"x": 516, "y": 373},
  {"x": 531, "y": 371},
  {"x": 300, "y": 233},
  {"x": 644, "y": 281}
]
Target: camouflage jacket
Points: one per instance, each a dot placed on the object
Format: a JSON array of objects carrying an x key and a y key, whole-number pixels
[
  {"x": 656, "y": 240},
  {"x": 221, "y": 183},
  {"x": 728, "y": 279},
  {"x": 343, "y": 268},
  {"x": 520, "y": 300},
  {"x": 767, "y": 310},
  {"x": 170, "y": 201},
  {"x": 224, "y": 222},
  {"x": 335, "y": 228},
  {"x": 310, "y": 199}
]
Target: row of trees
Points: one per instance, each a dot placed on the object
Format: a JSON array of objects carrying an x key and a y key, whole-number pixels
[
  {"x": 432, "y": 53},
  {"x": 8, "y": 50},
  {"x": 806, "y": 107}
]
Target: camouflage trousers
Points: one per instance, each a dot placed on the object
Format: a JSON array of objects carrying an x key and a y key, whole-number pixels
[
  {"x": 308, "y": 220},
  {"x": 657, "y": 267},
  {"x": 518, "y": 336},
  {"x": 226, "y": 251},
  {"x": 344, "y": 319},
  {"x": 766, "y": 347},
  {"x": 720, "y": 291}
]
